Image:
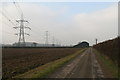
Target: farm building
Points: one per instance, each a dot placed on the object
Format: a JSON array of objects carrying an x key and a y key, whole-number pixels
[
  {"x": 34, "y": 44},
  {"x": 83, "y": 44},
  {"x": 28, "y": 44}
]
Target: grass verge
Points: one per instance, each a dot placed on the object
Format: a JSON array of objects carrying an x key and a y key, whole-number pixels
[
  {"x": 43, "y": 71},
  {"x": 112, "y": 67}
]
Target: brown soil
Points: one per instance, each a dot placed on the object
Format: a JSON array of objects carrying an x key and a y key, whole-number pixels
[{"x": 20, "y": 60}]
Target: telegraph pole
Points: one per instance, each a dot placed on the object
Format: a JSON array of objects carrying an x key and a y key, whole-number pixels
[
  {"x": 96, "y": 40},
  {"x": 53, "y": 44},
  {"x": 21, "y": 34}
]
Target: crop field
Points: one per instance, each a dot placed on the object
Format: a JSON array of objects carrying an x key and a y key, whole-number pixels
[{"x": 20, "y": 60}]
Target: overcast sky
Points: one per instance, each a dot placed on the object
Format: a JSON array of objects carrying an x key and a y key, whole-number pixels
[{"x": 68, "y": 22}]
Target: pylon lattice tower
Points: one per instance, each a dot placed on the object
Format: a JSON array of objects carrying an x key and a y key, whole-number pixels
[{"x": 21, "y": 34}]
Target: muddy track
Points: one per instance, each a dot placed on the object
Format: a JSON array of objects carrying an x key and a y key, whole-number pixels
[{"x": 85, "y": 65}]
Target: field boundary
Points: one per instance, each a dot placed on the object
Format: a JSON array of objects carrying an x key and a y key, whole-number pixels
[{"x": 43, "y": 71}]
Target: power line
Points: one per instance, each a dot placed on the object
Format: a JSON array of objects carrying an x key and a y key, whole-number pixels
[
  {"x": 9, "y": 33},
  {"x": 4, "y": 23},
  {"x": 18, "y": 7},
  {"x": 10, "y": 21},
  {"x": 21, "y": 41},
  {"x": 20, "y": 11},
  {"x": 3, "y": 14},
  {"x": 7, "y": 16},
  {"x": 4, "y": 10},
  {"x": 21, "y": 34},
  {"x": 36, "y": 31}
]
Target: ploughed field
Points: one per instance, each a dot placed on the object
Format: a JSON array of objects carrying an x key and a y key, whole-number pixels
[{"x": 20, "y": 60}]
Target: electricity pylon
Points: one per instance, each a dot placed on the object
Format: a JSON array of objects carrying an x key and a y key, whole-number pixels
[{"x": 21, "y": 34}]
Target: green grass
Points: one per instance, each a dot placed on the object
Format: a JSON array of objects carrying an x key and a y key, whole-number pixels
[
  {"x": 56, "y": 64},
  {"x": 45, "y": 70},
  {"x": 112, "y": 67}
]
